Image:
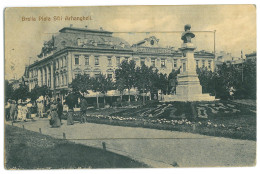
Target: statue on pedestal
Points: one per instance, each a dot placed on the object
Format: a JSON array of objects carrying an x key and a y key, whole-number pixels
[{"x": 187, "y": 35}]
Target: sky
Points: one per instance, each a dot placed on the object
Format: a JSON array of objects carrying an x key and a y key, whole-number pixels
[{"x": 235, "y": 27}]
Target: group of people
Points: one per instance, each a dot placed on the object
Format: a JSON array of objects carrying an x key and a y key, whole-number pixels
[
  {"x": 55, "y": 114},
  {"x": 22, "y": 111}
]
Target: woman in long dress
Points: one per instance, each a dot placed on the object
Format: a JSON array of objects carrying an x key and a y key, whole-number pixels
[
  {"x": 54, "y": 121},
  {"x": 70, "y": 120},
  {"x": 22, "y": 112}
]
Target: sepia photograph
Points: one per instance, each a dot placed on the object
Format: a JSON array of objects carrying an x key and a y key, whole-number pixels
[{"x": 163, "y": 86}]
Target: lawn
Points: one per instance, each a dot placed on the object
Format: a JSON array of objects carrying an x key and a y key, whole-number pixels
[
  {"x": 29, "y": 150},
  {"x": 220, "y": 118}
]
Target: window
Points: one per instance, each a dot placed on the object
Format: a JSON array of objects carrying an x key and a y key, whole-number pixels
[
  {"x": 76, "y": 59},
  {"x": 175, "y": 63},
  {"x": 61, "y": 62},
  {"x": 109, "y": 76},
  {"x": 209, "y": 64},
  {"x": 163, "y": 63},
  {"x": 62, "y": 80},
  {"x": 63, "y": 43},
  {"x": 184, "y": 67},
  {"x": 65, "y": 61},
  {"x": 86, "y": 60},
  {"x": 96, "y": 61},
  {"x": 184, "y": 54},
  {"x": 197, "y": 63},
  {"x": 65, "y": 79},
  {"x": 203, "y": 63},
  {"x": 153, "y": 62},
  {"x": 109, "y": 61},
  {"x": 97, "y": 75},
  {"x": 142, "y": 61},
  {"x": 57, "y": 64},
  {"x": 87, "y": 75},
  {"x": 79, "y": 41},
  {"x": 76, "y": 74},
  {"x": 118, "y": 61}
]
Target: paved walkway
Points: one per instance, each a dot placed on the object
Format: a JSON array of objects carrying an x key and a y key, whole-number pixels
[{"x": 157, "y": 148}]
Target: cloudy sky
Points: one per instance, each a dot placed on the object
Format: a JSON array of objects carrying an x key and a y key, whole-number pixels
[{"x": 235, "y": 27}]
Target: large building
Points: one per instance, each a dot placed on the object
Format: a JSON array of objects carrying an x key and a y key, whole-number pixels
[{"x": 83, "y": 51}]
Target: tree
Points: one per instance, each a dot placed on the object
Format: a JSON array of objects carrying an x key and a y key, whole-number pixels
[
  {"x": 126, "y": 75},
  {"x": 172, "y": 81},
  {"x": 82, "y": 83},
  {"x": 21, "y": 93},
  {"x": 8, "y": 90},
  {"x": 101, "y": 84},
  {"x": 162, "y": 83},
  {"x": 120, "y": 87},
  {"x": 72, "y": 99},
  {"x": 207, "y": 80},
  {"x": 38, "y": 91},
  {"x": 143, "y": 80}
]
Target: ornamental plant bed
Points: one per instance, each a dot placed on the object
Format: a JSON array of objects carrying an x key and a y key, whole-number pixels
[{"x": 224, "y": 119}]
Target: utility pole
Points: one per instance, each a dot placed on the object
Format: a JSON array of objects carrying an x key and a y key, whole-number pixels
[{"x": 242, "y": 66}]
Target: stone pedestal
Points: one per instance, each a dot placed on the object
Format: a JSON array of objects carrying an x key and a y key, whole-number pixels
[{"x": 188, "y": 88}]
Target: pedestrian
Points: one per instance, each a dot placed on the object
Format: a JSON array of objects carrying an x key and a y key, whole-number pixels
[
  {"x": 54, "y": 118},
  {"x": 13, "y": 110},
  {"x": 7, "y": 109},
  {"x": 29, "y": 109},
  {"x": 40, "y": 108},
  {"x": 83, "y": 108},
  {"x": 70, "y": 120},
  {"x": 59, "y": 109}
]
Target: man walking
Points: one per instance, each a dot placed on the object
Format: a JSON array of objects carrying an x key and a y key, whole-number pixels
[
  {"x": 59, "y": 109},
  {"x": 13, "y": 110},
  {"x": 83, "y": 108}
]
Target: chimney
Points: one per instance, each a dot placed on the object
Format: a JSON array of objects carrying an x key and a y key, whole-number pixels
[
  {"x": 101, "y": 29},
  {"x": 71, "y": 25},
  {"x": 86, "y": 26}
]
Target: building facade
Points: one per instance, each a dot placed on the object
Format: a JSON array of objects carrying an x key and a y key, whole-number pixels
[{"x": 77, "y": 51}]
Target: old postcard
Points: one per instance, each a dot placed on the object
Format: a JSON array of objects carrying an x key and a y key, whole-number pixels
[{"x": 130, "y": 87}]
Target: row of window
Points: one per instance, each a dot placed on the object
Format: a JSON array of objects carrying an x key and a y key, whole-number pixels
[
  {"x": 142, "y": 62},
  {"x": 203, "y": 63},
  {"x": 109, "y": 75},
  {"x": 76, "y": 60},
  {"x": 61, "y": 80},
  {"x": 109, "y": 59},
  {"x": 62, "y": 62}
]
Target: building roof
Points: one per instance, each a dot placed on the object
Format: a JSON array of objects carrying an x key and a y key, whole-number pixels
[
  {"x": 251, "y": 55},
  {"x": 80, "y": 37}
]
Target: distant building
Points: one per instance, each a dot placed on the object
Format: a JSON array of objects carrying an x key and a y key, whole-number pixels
[
  {"x": 251, "y": 56},
  {"x": 77, "y": 51},
  {"x": 21, "y": 81}
]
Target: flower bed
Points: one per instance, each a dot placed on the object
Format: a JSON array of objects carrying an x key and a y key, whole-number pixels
[{"x": 234, "y": 129}]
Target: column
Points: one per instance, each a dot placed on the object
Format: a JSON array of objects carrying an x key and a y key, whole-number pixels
[
  {"x": 52, "y": 77},
  {"x": 47, "y": 74},
  {"x": 43, "y": 76},
  {"x": 39, "y": 77}
]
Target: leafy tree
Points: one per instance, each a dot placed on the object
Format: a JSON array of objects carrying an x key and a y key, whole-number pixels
[
  {"x": 38, "y": 91},
  {"x": 143, "y": 80},
  {"x": 120, "y": 87},
  {"x": 162, "y": 83},
  {"x": 8, "y": 90},
  {"x": 207, "y": 80},
  {"x": 101, "y": 84},
  {"x": 21, "y": 93},
  {"x": 172, "y": 81},
  {"x": 72, "y": 99},
  {"x": 82, "y": 83},
  {"x": 126, "y": 75}
]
